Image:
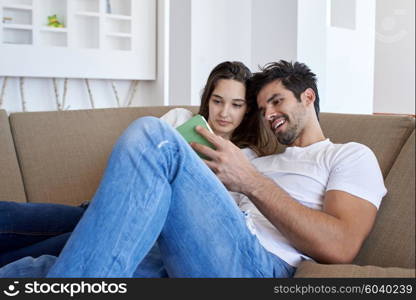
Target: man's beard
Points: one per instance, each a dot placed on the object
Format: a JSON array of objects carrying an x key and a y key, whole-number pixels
[
  {"x": 293, "y": 128},
  {"x": 288, "y": 136}
]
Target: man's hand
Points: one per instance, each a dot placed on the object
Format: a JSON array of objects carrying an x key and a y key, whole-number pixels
[{"x": 228, "y": 162}]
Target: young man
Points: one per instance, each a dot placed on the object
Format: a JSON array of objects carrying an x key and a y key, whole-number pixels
[
  {"x": 317, "y": 199},
  {"x": 320, "y": 198}
]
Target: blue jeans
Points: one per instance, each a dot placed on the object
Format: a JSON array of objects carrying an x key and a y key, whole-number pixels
[
  {"x": 34, "y": 229},
  {"x": 156, "y": 189},
  {"x": 35, "y": 234}
]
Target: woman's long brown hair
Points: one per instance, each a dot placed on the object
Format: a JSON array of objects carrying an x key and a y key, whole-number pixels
[{"x": 253, "y": 131}]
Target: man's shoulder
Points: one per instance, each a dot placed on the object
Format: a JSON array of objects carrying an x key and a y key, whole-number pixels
[
  {"x": 351, "y": 151},
  {"x": 352, "y": 148}
]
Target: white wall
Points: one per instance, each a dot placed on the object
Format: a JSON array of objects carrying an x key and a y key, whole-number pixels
[
  {"x": 180, "y": 52},
  {"x": 311, "y": 40},
  {"x": 195, "y": 35},
  {"x": 39, "y": 94},
  {"x": 221, "y": 30},
  {"x": 342, "y": 58},
  {"x": 155, "y": 92},
  {"x": 350, "y": 63},
  {"x": 394, "y": 88},
  {"x": 365, "y": 68},
  {"x": 273, "y": 32},
  {"x": 204, "y": 33}
]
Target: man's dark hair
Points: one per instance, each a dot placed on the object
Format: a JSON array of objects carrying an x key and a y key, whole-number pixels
[{"x": 296, "y": 77}]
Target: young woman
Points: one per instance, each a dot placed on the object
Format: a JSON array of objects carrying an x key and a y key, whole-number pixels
[
  {"x": 31, "y": 230},
  {"x": 228, "y": 111}
]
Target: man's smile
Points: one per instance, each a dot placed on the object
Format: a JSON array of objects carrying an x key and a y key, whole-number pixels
[{"x": 276, "y": 124}]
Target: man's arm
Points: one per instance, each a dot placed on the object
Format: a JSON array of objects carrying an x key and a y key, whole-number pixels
[{"x": 333, "y": 235}]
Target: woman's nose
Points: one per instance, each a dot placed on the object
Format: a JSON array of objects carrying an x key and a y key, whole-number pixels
[{"x": 224, "y": 111}]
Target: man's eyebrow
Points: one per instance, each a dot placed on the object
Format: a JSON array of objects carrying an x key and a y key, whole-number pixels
[{"x": 273, "y": 97}]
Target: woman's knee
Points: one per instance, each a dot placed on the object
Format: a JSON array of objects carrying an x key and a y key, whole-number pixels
[{"x": 142, "y": 130}]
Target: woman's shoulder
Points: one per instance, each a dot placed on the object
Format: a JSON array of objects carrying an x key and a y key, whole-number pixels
[{"x": 177, "y": 116}]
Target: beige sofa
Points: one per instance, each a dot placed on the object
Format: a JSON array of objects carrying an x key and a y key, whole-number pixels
[{"x": 59, "y": 157}]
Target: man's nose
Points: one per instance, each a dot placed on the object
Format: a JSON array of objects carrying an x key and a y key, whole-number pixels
[{"x": 270, "y": 114}]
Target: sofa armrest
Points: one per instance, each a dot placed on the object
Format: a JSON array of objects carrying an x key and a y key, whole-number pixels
[{"x": 310, "y": 269}]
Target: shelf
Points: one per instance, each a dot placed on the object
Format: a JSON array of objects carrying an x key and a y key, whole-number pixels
[
  {"x": 118, "y": 17},
  {"x": 87, "y": 14},
  {"x": 17, "y": 36},
  {"x": 118, "y": 26},
  {"x": 90, "y": 6},
  {"x": 53, "y": 39},
  {"x": 89, "y": 30},
  {"x": 112, "y": 39},
  {"x": 50, "y": 8},
  {"x": 17, "y": 16},
  {"x": 121, "y": 35},
  {"x": 18, "y": 6},
  {"x": 53, "y": 29},
  {"x": 17, "y": 2},
  {"x": 18, "y": 26},
  {"x": 119, "y": 7},
  {"x": 118, "y": 42}
]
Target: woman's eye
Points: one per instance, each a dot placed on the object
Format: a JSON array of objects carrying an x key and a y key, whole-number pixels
[
  {"x": 216, "y": 101},
  {"x": 238, "y": 105}
]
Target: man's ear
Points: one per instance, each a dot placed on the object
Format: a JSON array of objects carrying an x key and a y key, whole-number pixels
[{"x": 308, "y": 96}]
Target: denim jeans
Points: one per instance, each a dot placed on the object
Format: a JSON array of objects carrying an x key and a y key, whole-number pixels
[
  {"x": 37, "y": 267},
  {"x": 34, "y": 229},
  {"x": 156, "y": 189},
  {"x": 33, "y": 234}
]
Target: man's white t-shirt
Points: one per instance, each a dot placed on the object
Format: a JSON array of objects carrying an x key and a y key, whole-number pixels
[{"x": 306, "y": 174}]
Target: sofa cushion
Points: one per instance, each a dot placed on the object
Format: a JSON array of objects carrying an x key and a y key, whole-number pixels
[
  {"x": 392, "y": 240},
  {"x": 385, "y": 135},
  {"x": 11, "y": 185},
  {"x": 63, "y": 154},
  {"x": 309, "y": 269}
]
